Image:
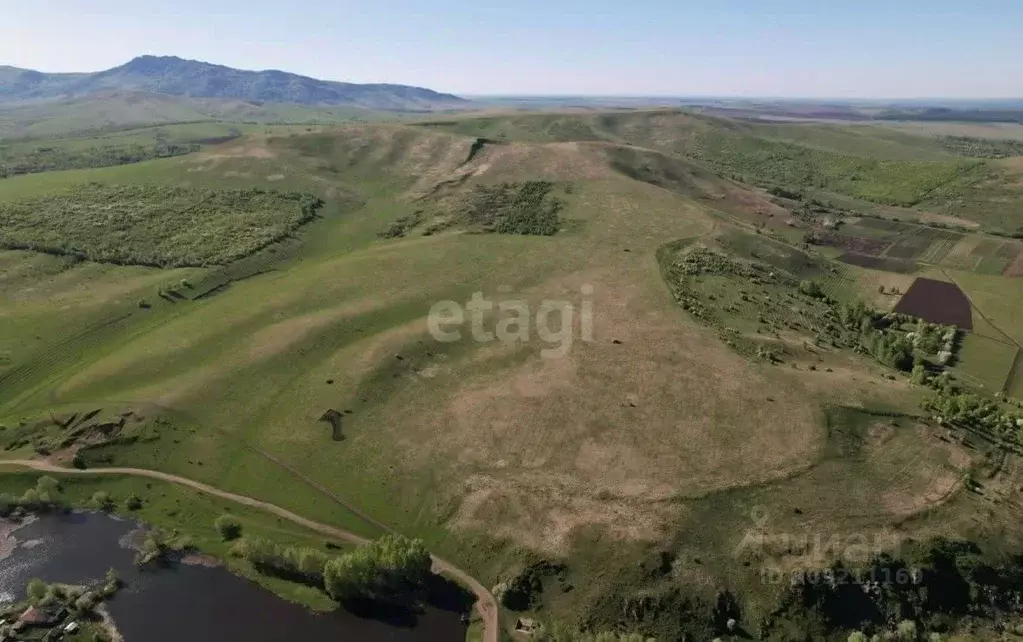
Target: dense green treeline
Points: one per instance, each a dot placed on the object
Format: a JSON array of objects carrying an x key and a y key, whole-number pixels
[
  {"x": 390, "y": 569},
  {"x": 773, "y": 162},
  {"x": 49, "y": 159}
]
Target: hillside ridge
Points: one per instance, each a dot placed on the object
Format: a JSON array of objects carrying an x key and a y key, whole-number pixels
[{"x": 180, "y": 77}]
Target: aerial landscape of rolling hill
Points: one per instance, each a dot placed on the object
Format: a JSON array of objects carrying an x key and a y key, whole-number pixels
[{"x": 377, "y": 362}]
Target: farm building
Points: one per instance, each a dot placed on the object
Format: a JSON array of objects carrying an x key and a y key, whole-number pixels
[{"x": 39, "y": 616}]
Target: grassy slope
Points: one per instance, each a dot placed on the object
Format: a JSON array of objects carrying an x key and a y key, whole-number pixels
[
  {"x": 874, "y": 165},
  {"x": 480, "y": 448},
  {"x": 104, "y": 112}
]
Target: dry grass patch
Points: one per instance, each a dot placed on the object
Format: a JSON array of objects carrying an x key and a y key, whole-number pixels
[
  {"x": 545, "y": 512},
  {"x": 603, "y": 435},
  {"x": 252, "y": 146},
  {"x": 920, "y": 478}
]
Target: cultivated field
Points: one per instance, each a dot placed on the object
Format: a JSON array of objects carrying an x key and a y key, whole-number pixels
[
  {"x": 987, "y": 362},
  {"x": 910, "y": 244},
  {"x": 938, "y": 302}
]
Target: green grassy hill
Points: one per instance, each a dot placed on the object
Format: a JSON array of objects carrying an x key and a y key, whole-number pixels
[
  {"x": 873, "y": 165},
  {"x": 608, "y": 467},
  {"x": 108, "y": 112}
]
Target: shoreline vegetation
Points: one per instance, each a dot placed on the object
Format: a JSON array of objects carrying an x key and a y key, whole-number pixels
[
  {"x": 60, "y": 608},
  {"x": 376, "y": 576},
  {"x": 935, "y": 579}
]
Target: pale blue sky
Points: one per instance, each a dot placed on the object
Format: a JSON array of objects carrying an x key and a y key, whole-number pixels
[{"x": 868, "y": 48}]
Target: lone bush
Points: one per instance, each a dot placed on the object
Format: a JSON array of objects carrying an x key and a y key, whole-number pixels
[
  {"x": 102, "y": 500},
  {"x": 810, "y": 288},
  {"x": 36, "y": 590},
  {"x": 229, "y": 527}
]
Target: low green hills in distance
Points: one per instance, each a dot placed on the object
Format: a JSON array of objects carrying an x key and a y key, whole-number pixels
[{"x": 792, "y": 413}]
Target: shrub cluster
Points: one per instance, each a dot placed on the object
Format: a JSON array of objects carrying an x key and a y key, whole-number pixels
[
  {"x": 392, "y": 568},
  {"x": 957, "y": 409},
  {"x": 154, "y": 225},
  {"x": 47, "y": 495},
  {"x": 514, "y": 208},
  {"x": 897, "y": 341},
  {"x": 982, "y": 147},
  {"x": 49, "y": 159},
  {"x": 297, "y": 564}
]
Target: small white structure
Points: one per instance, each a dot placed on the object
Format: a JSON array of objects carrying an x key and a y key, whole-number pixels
[{"x": 71, "y": 628}]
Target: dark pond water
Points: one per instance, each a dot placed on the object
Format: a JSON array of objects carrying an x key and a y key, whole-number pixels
[{"x": 191, "y": 602}]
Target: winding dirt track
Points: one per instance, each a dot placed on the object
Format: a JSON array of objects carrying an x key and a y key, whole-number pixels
[{"x": 486, "y": 605}]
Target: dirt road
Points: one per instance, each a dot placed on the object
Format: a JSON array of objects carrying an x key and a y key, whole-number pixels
[{"x": 486, "y": 605}]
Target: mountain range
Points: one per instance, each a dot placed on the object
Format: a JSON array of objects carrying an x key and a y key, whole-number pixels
[{"x": 175, "y": 76}]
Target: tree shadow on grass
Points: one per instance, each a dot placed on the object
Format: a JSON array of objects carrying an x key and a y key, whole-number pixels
[{"x": 440, "y": 593}]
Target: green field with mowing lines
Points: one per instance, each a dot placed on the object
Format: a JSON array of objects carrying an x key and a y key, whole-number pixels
[{"x": 986, "y": 362}]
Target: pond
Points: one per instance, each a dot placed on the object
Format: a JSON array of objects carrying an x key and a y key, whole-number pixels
[{"x": 196, "y": 603}]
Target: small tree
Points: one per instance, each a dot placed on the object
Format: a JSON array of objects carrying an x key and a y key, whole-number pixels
[
  {"x": 36, "y": 590},
  {"x": 919, "y": 375},
  {"x": 810, "y": 288},
  {"x": 111, "y": 583},
  {"x": 30, "y": 499},
  {"x": 102, "y": 501},
  {"x": 48, "y": 486},
  {"x": 906, "y": 630},
  {"x": 86, "y": 603},
  {"x": 351, "y": 576},
  {"x": 7, "y": 504},
  {"x": 229, "y": 527},
  {"x": 134, "y": 502},
  {"x": 152, "y": 549}
]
